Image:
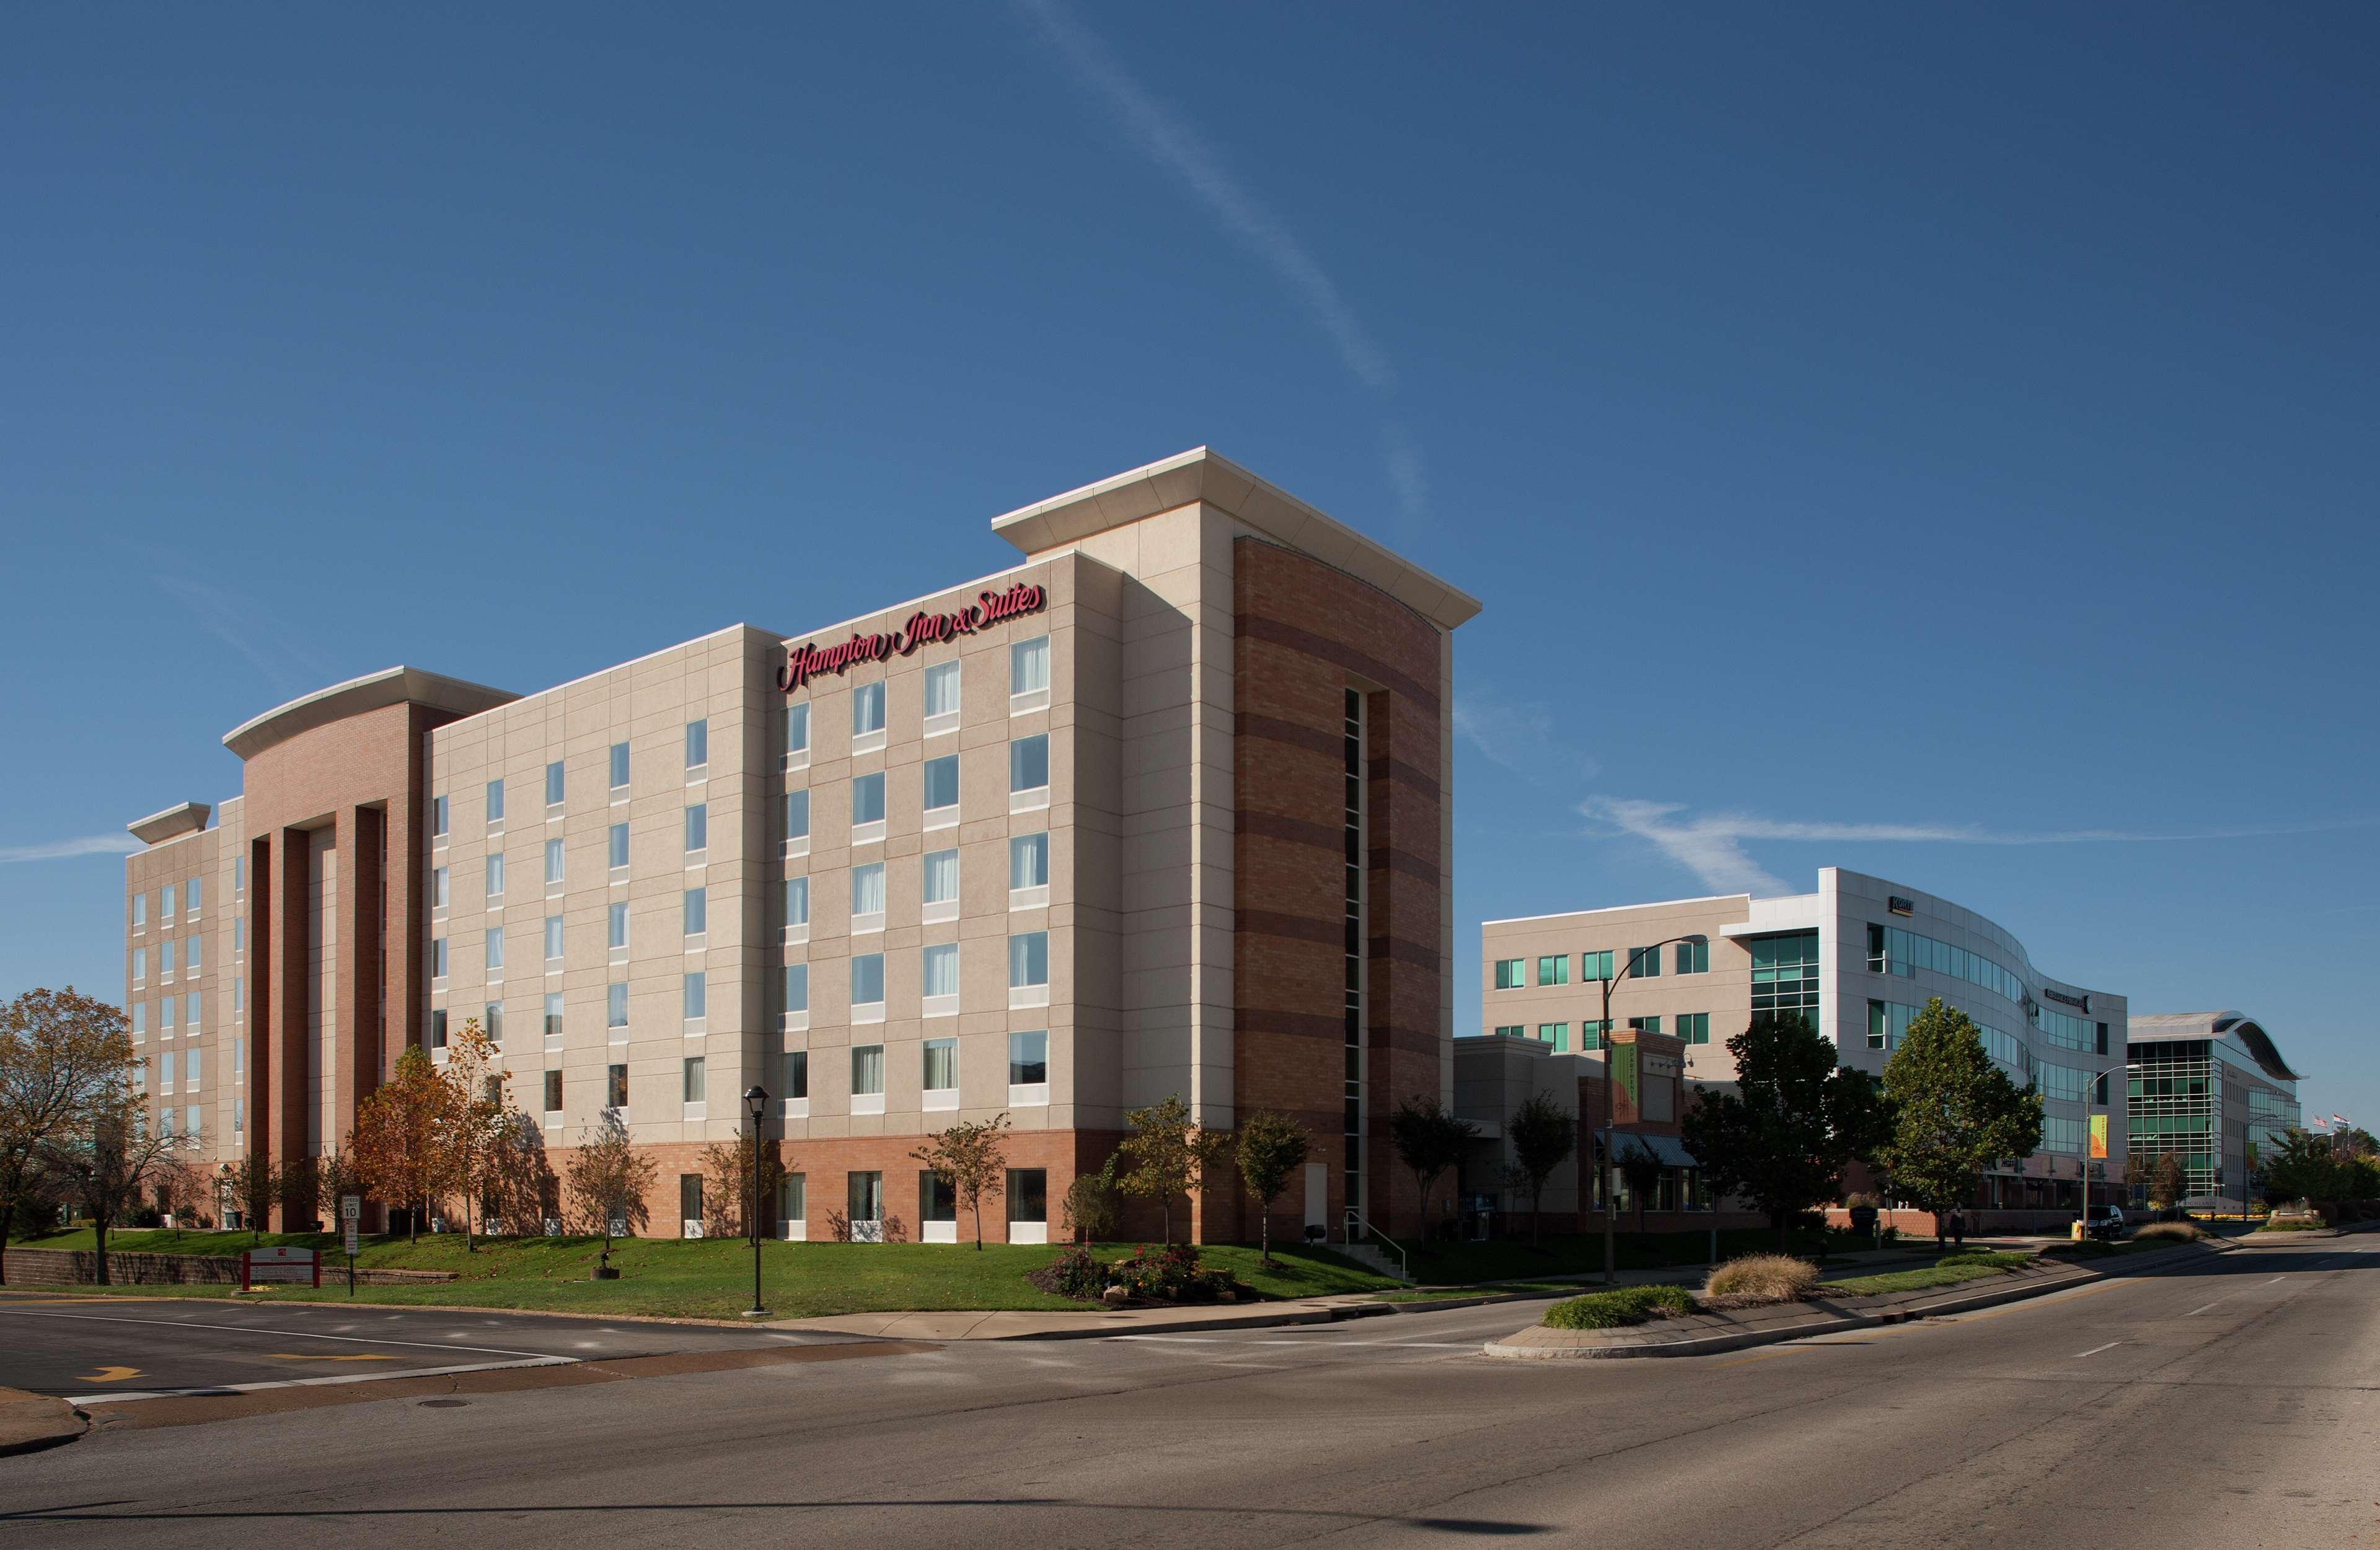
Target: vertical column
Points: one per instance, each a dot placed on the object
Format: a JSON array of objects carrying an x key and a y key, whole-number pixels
[
  {"x": 262, "y": 958},
  {"x": 356, "y": 898},
  {"x": 289, "y": 990}
]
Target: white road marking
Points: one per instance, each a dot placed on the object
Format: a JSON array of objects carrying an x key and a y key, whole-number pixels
[
  {"x": 2095, "y": 1351},
  {"x": 320, "y": 1382},
  {"x": 293, "y": 1334}
]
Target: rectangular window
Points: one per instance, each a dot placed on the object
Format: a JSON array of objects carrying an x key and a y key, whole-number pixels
[
  {"x": 690, "y": 1195},
  {"x": 1590, "y": 1033},
  {"x": 698, "y": 828},
  {"x": 697, "y": 911},
  {"x": 940, "y": 884},
  {"x": 1028, "y": 960},
  {"x": 797, "y": 815},
  {"x": 239, "y": 937},
  {"x": 1511, "y": 1030},
  {"x": 166, "y": 1071},
  {"x": 1554, "y": 969},
  {"x": 1511, "y": 973},
  {"x": 553, "y": 1091},
  {"x": 698, "y": 745},
  {"x": 797, "y": 1074},
  {"x": 438, "y": 818},
  {"x": 798, "y": 729},
  {"x": 868, "y": 890},
  {"x": 165, "y": 956},
  {"x": 438, "y": 958},
  {"x": 868, "y": 980},
  {"x": 797, "y": 985},
  {"x": 1645, "y": 1024},
  {"x": 1645, "y": 962},
  {"x": 190, "y": 896},
  {"x": 139, "y": 965},
  {"x": 553, "y": 938},
  {"x": 696, "y": 998},
  {"x": 438, "y": 1028},
  {"x": 1028, "y": 1059},
  {"x": 797, "y": 901},
  {"x": 139, "y": 1019},
  {"x": 141, "y": 908},
  {"x": 615, "y": 1005},
  {"x": 238, "y": 996},
  {"x": 554, "y": 1019},
  {"x": 1029, "y": 666},
  {"x": 192, "y": 952},
  {"x": 496, "y": 874},
  {"x": 165, "y": 905},
  {"x": 191, "y": 1005},
  {"x": 239, "y": 873},
  {"x": 942, "y": 785},
  {"x": 190, "y": 1064},
  {"x": 695, "y": 1084},
  {"x": 615, "y": 847},
  {"x": 1028, "y": 1200},
  {"x": 616, "y": 1085},
  {"x": 1694, "y": 1026},
  {"x": 1028, "y": 764},
  {"x": 1595, "y": 967},
  {"x": 1028, "y": 861},
  {"x": 1555, "y": 1033},
  {"x": 496, "y": 802},
  {"x": 553, "y": 863},
  {"x": 553, "y": 784},
  {"x": 616, "y": 927},
  {"x": 942, "y": 690},
  {"x": 867, "y": 710},
  {"x": 865, "y": 1199},
  {"x": 166, "y": 1010},
  {"x": 619, "y": 767},
  {"x": 941, "y": 1073},
  {"x": 937, "y": 1204},
  {"x": 868, "y": 799},
  {"x": 868, "y": 1070},
  {"x": 941, "y": 973},
  {"x": 491, "y": 1022},
  {"x": 1692, "y": 958},
  {"x": 238, "y": 1057},
  {"x": 496, "y": 949}
]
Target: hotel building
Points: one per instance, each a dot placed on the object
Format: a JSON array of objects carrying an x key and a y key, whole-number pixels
[
  {"x": 1859, "y": 958},
  {"x": 1159, "y": 809}
]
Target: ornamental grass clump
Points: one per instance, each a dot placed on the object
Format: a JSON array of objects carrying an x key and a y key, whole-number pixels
[
  {"x": 1624, "y": 1305},
  {"x": 2168, "y": 1232},
  {"x": 1763, "y": 1278}
]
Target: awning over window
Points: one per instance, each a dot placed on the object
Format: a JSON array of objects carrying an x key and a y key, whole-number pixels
[{"x": 1668, "y": 1148}]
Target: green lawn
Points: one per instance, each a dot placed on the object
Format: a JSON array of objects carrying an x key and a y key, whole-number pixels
[
  {"x": 712, "y": 1279},
  {"x": 1950, "y": 1270},
  {"x": 1579, "y": 1253}
]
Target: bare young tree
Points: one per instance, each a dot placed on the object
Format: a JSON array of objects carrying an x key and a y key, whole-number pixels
[
  {"x": 113, "y": 1157},
  {"x": 607, "y": 1181}
]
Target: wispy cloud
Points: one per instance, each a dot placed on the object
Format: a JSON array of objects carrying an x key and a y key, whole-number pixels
[
  {"x": 59, "y": 850},
  {"x": 1173, "y": 143},
  {"x": 1711, "y": 845},
  {"x": 230, "y": 620},
  {"x": 1518, "y": 735}
]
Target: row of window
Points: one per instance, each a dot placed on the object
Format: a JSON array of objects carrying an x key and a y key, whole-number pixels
[
  {"x": 1024, "y": 1197},
  {"x": 1891, "y": 950},
  {"x": 190, "y": 1005},
  {"x": 1028, "y": 1077},
  {"x": 1694, "y": 1027},
  {"x": 193, "y": 957},
  {"x": 1644, "y": 963},
  {"x": 190, "y": 896}
]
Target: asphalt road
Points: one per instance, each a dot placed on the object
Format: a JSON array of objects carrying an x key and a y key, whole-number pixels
[
  {"x": 110, "y": 1349},
  {"x": 2236, "y": 1405}
]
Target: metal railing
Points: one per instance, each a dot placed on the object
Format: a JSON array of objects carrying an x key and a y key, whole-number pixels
[{"x": 1355, "y": 1220}]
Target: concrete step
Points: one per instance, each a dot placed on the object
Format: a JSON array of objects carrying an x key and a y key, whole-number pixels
[{"x": 1371, "y": 1256}]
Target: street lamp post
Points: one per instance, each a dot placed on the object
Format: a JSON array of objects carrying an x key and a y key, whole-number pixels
[
  {"x": 1610, "y": 1169},
  {"x": 755, "y": 1099},
  {"x": 2090, "y": 1086}
]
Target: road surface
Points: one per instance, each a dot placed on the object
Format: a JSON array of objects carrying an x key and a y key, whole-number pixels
[{"x": 2234, "y": 1404}]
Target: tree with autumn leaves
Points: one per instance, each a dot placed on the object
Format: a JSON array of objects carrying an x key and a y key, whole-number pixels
[{"x": 428, "y": 1132}]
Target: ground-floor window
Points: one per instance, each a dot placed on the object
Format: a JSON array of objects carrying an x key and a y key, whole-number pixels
[
  {"x": 689, "y": 1201},
  {"x": 793, "y": 1198},
  {"x": 937, "y": 1201},
  {"x": 863, "y": 1195},
  {"x": 1028, "y": 1204}
]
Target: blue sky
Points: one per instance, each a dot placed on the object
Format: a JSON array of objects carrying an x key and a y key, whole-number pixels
[{"x": 1936, "y": 443}]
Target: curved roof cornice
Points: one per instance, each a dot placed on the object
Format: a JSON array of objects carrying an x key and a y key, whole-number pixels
[
  {"x": 373, "y": 691},
  {"x": 2225, "y": 1023}
]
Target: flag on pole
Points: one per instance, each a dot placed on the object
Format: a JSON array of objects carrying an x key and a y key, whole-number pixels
[{"x": 2339, "y": 1119}]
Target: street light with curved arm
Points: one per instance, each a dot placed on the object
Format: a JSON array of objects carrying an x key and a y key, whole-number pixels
[{"x": 1611, "y": 1165}]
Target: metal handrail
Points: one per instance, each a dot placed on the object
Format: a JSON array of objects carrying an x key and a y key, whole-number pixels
[{"x": 1355, "y": 1220}]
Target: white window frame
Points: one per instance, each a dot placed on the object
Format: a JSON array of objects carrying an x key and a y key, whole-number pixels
[{"x": 940, "y": 723}]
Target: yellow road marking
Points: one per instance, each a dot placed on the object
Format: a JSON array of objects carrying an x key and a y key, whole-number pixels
[
  {"x": 311, "y": 1356},
  {"x": 109, "y": 1374}
]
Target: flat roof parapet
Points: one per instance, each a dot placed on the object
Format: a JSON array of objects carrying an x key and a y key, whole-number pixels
[
  {"x": 373, "y": 691},
  {"x": 183, "y": 818}
]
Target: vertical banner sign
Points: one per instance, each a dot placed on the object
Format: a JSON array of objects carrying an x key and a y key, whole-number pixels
[{"x": 2098, "y": 1135}]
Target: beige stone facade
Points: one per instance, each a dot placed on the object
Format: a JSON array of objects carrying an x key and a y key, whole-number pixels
[{"x": 1097, "y": 917}]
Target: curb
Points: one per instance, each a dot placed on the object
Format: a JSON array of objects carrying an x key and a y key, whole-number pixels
[
  {"x": 30, "y": 1422},
  {"x": 1740, "y": 1339}
]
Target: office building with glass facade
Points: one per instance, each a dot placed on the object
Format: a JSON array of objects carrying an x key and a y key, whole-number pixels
[
  {"x": 1158, "y": 809},
  {"x": 2210, "y": 1088},
  {"x": 1858, "y": 958}
]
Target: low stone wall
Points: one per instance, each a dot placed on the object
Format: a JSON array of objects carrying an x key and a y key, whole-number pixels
[{"x": 81, "y": 1268}]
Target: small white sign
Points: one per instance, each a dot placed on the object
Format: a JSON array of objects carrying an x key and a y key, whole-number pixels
[
  {"x": 354, "y": 1237},
  {"x": 351, "y": 1207}
]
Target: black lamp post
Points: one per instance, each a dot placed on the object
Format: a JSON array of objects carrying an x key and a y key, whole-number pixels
[
  {"x": 1610, "y": 1108},
  {"x": 757, "y": 1100}
]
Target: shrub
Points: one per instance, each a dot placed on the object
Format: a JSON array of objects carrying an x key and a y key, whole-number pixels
[
  {"x": 1626, "y": 1305},
  {"x": 2173, "y": 1232},
  {"x": 1768, "y": 1278},
  {"x": 2277, "y": 1224},
  {"x": 1078, "y": 1273},
  {"x": 1860, "y": 1200}
]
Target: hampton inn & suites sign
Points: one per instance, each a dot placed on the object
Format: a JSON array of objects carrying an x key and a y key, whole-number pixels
[{"x": 808, "y": 660}]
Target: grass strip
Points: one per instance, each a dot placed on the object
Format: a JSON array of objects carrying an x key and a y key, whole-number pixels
[
  {"x": 1950, "y": 1270},
  {"x": 1619, "y": 1307}
]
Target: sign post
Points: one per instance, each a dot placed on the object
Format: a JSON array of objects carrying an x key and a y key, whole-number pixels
[{"x": 351, "y": 1210}]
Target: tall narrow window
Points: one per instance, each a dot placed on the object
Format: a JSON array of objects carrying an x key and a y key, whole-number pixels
[
  {"x": 1028, "y": 967},
  {"x": 941, "y": 887},
  {"x": 941, "y": 1065},
  {"x": 797, "y": 901},
  {"x": 615, "y": 847},
  {"x": 438, "y": 818},
  {"x": 1028, "y": 1060},
  {"x": 165, "y": 905},
  {"x": 139, "y": 908},
  {"x": 942, "y": 789},
  {"x": 438, "y": 958},
  {"x": 1029, "y": 666},
  {"x": 1029, "y": 766},
  {"x": 867, "y": 981},
  {"x": 554, "y": 1019},
  {"x": 697, "y": 911},
  {"x": 553, "y": 863},
  {"x": 1028, "y": 861},
  {"x": 697, "y": 826},
  {"x": 438, "y": 1028},
  {"x": 553, "y": 784},
  {"x": 866, "y": 799},
  {"x": 619, "y": 767},
  {"x": 694, "y": 1085},
  {"x": 615, "y": 1005},
  {"x": 942, "y": 696},
  {"x": 698, "y": 745},
  {"x": 797, "y": 1074},
  {"x": 868, "y": 891},
  {"x": 495, "y": 874},
  {"x": 438, "y": 885},
  {"x": 798, "y": 729},
  {"x": 190, "y": 896},
  {"x": 698, "y": 999},
  {"x": 796, "y": 986},
  {"x": 939, "y": 976},
  {"x": 496, "y": 949},
  {"x": 553, "y": 1093},
  {"x": 492, "y": 1023},
  {"x": 867, "y": 711},
  {"x": 496, "y": 802},
  {"x": 797, "y": 815},
  {"x": 868, "y": 1069},
  {"x": 616, "y": 927},
  {"x": 616, "y": 1085}
]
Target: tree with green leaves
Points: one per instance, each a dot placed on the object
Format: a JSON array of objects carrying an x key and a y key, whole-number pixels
[
  {"x": 1954, "y": 1111},
  {"x": 2304, "y": 1168},
  {"x": 1090, "y": 1207},
  {"x": 1796, "y": 1120},
  {"x": 972, "y": 1158},
  {"x": 1167, "y": 1156},
  {"x": 1543, "y": 1134},
  {"x": 1430, "y": 1143},
  {"x": 1272, "y": 1147}
]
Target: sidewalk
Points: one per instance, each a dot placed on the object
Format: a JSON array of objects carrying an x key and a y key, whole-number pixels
[{"x": 30, "y": 1422}]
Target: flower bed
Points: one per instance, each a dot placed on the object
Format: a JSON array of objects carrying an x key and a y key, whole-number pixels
[{"x": 1169, "y": 1273}]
